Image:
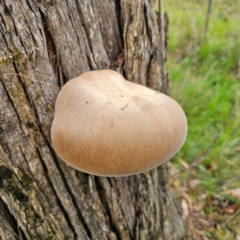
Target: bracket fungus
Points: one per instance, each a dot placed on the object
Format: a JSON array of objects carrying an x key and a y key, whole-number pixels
[{"x": 107, "y": 126}]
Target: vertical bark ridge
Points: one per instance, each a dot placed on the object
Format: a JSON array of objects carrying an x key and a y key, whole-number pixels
[
  {"x": 116, "y": 216},
  {"x": 65, "y": 213},
  {"x": 84, "y": 191},
  {"x": 8, "y": 225},
  {"x": 52, "y": 53}
]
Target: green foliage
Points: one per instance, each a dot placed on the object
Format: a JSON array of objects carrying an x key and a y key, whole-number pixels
[{"x": 205, "y": 80}]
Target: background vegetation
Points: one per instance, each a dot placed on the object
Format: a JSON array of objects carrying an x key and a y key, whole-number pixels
[{"x": 204, "y": 71}]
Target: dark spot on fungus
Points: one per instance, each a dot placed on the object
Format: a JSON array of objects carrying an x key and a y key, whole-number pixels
[{"x": 125, "y": 106}]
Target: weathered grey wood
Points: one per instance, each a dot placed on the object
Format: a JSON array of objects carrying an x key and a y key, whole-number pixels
[{"x": 42, "y": 45}]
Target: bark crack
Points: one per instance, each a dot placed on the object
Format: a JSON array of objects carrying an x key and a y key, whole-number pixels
[
  {"x": 53, "y": 56},
  {"x": 166, "y": 22},
  {"x": 89, "y": 40},
  {"x": 74, "y": 200},
  {"x": 80, "y": 215},
  {"x": 67, "y": 217},
  {"x": 12, "y": 103},
  {"x": 104, "y": 200},
  {"x": 26, "y": 94},
  {"x": 15, "y": 229},
  {"x": 119, "y": 20},
  {"x": 148, "y": 25}
]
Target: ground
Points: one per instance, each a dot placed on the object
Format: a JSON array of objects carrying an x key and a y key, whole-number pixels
[{"x": 204, "y": 69}]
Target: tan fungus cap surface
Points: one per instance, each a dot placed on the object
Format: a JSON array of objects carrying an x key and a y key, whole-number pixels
[{"x": 107, "y": 126}]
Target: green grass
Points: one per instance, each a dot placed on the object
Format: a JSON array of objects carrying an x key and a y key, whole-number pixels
[
  {"x": 203, "y": 73},
  {"x": 204, "y": 80}
]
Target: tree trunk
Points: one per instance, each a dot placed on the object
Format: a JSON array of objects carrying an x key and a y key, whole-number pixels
[{"x": 42, "y": 45}]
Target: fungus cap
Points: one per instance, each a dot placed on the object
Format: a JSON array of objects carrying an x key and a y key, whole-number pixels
[{"x": 107, "y": 126}]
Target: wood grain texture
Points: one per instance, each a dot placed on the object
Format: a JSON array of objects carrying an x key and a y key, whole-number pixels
[{"x": 42, "y": 45}]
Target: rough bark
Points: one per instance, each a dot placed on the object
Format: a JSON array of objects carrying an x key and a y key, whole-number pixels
[{"x": 42, "y": 45}]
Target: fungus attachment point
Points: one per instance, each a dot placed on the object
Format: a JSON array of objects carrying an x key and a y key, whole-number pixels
[{"x": 107, "y": 126}]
